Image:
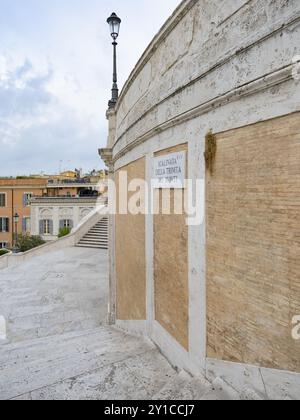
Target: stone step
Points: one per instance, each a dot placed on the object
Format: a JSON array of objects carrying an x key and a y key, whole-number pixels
[
  {"x": 93, "y": 236},
  {"x": 99, "y": 228},
  {"x": 93, "y": 239},
  {"x": 183, "y": 387},
  {"x": 43, "y": 363},
  {"x": 96, "y": 233},
  {"x": 97, "y": 238},
  {"x": 16, "y": 353},
  {"x": 91, "y": 246},
  {"x": 135, "y": 378},
  {"x": 47, "y": 328},
  {"x": 93, "y": 242},
  {"x": 220, "y": 391}
]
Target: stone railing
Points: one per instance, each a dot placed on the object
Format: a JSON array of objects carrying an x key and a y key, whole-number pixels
[
  {"x": 66, "y": 200},
  {"x": 72, "y": 239}
]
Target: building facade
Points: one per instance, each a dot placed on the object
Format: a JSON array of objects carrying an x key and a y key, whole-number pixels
[
  {"x": 222, "y": 294},
  {"x": 51, "y": 214},
  {"x": 17, "y": 196}
]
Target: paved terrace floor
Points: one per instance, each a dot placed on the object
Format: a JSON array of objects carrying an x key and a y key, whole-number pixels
[
  {"x": 58, "y": 345},
  {"x": 55, "y": 293}
]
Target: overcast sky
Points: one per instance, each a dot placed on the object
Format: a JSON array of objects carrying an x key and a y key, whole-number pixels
[{"x": 55, "y": 77}]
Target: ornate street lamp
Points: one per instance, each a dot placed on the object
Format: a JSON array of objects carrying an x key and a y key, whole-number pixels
[
  {"x": 16, "y": 221},
  {"x": 114, "y": 24}
]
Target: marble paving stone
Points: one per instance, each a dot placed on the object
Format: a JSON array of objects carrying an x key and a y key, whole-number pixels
[
  {"x": 114, "y": 382},
  {"x": 59, "y": 349},
  {"x": 55, "y": 293},
  {"x": 183, "y": 387}
]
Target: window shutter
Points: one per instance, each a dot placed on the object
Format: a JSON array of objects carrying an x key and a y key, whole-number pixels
[
  {"x": 41, "y": 227},
  {"x": 7, "y": 224},
  {"x": 24, "y": 225},
  {"x": 71, "y": 224},
  {"x": 2, "y": 200},
  {"x": 24, "y": 200},
  {"x": 51, "y": 227}
]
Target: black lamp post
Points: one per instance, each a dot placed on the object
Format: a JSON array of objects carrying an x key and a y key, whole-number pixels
[
  {"x": 114, "y": 24},
  {"x": 16, "y": 221}
]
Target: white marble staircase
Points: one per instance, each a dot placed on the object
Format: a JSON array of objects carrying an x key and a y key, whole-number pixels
[
  {"x": 98, "y": 364},
  {"x": 97, "y": 237}
]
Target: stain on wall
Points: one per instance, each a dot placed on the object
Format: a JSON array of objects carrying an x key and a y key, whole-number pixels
[
  {"x": 253, "y": 245},
  {"x": 131, "y": 255},
  {"x": 171, "y": 268}
]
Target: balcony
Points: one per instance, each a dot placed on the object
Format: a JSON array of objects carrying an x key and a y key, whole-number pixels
[
  {"x": 73, "y": 183},
  {"x": 66, "y": 200}
]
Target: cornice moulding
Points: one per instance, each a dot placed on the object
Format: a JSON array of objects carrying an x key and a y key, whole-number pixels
[{"x": 278, "y": 77}]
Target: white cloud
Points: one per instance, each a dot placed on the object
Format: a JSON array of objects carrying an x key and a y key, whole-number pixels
[{"x": 55, "y": 76}]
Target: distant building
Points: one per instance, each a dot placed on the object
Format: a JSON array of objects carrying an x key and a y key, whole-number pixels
[
  {"x": 69, "y": 175},
  {"x": 16, "y": 195},
  {"x": 51, "y": 214}
]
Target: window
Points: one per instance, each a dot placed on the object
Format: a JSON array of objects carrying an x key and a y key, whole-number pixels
[
  {"x": 26, "y": 199},
  {"x": 66, "y": 223},
  {"x": 3, "y": 245},
  {"x": 2, "y": 200},
  {"x": 46, "y": 227},
  {"x": 4, "y": 224},
  {"x": 26, "y": 224}
]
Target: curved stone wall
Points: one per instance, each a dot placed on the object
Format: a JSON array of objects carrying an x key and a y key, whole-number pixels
[
  {"x": 220, "y": 66},
  {"x": 205, "y": 51}
]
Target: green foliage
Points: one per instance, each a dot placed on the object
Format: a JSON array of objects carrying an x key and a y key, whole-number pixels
[
  {"x": 27, "y": 242},
  {"x": 3, "y": 252},
  {"x": 64, "y": 232},
  {"x": 210, "y": 151}
]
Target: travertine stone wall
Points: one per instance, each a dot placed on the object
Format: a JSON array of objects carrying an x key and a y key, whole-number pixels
[
  {"x": 233, "y": 67},
  {"x": 171, "y": 288},
  {"x": 253, "y": 245},
  {"x": 222, "y": 45},
  {"x": 130, "y": 255}
]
